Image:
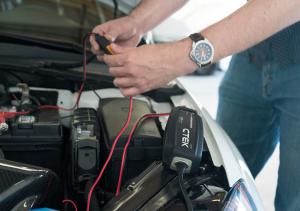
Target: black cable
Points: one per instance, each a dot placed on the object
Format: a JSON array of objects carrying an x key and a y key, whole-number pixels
[
  {"x": 92, "y": 88},
  {"x": 206, "y": 188},
  {"x": 34, "y": 99},
  {"x": 180, "y": 166},
  {"x": 116, "y": 8}
]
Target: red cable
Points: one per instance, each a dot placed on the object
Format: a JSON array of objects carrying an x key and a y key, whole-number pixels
[
  {"x": 81, "y": 86},
  {"x": 9, "y": 115},
  {"x": 127, "y": 145},
  {"x": 71, "y": 202},
  {"x": 110, "y": 153}
]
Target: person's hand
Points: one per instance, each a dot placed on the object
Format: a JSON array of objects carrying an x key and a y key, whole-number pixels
[
  {"x": 122, "y": 31},
  {"x": 144, "y": 68}
]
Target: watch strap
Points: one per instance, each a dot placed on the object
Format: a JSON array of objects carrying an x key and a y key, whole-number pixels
[
  {"x": 205, "y": 65},
  {"x": 196, "y": 37}
]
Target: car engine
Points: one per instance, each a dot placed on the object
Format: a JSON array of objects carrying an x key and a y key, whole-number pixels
[{"x": 69, "y": 147}]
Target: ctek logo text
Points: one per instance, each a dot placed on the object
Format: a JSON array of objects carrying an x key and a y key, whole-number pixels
[{"x": 185, "y": 138}]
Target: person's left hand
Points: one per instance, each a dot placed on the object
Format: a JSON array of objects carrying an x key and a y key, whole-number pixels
[{"x": 147, "y": 67}]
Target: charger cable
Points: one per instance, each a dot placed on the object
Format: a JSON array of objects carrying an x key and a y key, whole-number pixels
[{"x": 180, "y": 168}]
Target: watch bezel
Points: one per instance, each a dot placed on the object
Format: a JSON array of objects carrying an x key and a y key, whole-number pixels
[{"x": 192, "y": 53}]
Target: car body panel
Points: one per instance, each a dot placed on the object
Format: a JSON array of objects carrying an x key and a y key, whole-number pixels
[{"x": 222, "y": 150}]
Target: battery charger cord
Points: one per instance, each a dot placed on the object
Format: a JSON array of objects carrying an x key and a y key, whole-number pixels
[
  {"x": 83, "y": 82},
  {"x": 10, "y": 114},
  {"x": 135, "y": 126},
  {"x": 82, "y": 85},
  {"x": 69, "y": 201},
  {"x": 13, "y": 114},
  {"x": 183, "y": 146},
  {"x": 180, "y": 168},
  {"x": 4, "y": 116},
  {"x": 110, "y": 154}
]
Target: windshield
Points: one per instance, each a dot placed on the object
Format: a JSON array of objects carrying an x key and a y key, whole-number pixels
[{"x": 65, "y": 20}]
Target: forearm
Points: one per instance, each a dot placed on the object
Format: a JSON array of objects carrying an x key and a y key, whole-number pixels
[
  {"x": 254, "y": 22},
  {"x": 150, "y": 13}
]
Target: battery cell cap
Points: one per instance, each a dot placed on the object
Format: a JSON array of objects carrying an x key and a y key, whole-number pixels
[{"x": 25, "y": 121}]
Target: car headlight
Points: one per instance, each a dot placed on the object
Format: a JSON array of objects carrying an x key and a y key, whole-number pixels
[{"x": 239, "y": 198}]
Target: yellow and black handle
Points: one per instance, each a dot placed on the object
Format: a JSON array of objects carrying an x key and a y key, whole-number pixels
[{"x": 104, "y": 44}]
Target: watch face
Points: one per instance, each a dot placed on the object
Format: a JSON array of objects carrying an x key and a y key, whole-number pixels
[{"x": 203, "y": 52}]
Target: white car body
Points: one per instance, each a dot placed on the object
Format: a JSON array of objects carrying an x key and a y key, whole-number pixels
[{"x": 222, "y": 150}]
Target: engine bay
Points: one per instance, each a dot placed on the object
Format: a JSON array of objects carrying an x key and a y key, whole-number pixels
[{"x": 73, "y": 145}]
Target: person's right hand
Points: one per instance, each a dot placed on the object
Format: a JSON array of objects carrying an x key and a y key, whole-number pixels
[{"x": 122, "y": 31}]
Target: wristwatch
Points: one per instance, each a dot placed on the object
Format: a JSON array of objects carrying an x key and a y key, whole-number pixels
[{"x": 202, "y": 52}]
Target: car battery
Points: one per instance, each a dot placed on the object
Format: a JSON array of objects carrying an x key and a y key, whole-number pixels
[
  {"x": 85, "y": 145},
  {"x": 35, "y": 139},
  {"x": 145, "y": 147}
]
